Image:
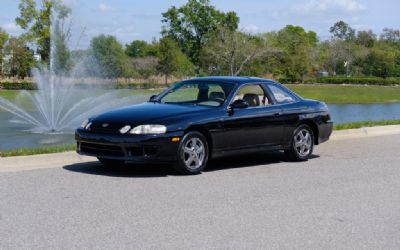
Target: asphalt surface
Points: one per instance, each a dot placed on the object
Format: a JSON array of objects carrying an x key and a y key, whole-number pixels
[{"x": 346, "y": 197}]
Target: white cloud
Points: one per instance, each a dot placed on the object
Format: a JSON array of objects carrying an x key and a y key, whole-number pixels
[
  {"x": 12, "y": 28},
  {"x": 251, "y": 28},
  {"x": 329, "y": 5},
  {"x": 104, "y": 7}
]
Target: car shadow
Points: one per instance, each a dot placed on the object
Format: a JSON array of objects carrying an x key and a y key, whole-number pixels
[
  {"x": 156, "y": 171},
  {"x": 127, "y": 170},
  {"x": 249, "y": 160}
]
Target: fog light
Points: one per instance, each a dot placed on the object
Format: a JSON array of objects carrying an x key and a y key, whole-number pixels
[{"x": 175, "y": 139}]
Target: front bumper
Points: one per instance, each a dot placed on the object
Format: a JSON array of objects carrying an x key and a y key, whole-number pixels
[{"x": 135, "y": 148}]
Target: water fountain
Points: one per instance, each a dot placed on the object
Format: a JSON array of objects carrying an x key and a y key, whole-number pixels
[{"x": 60, "y": 104}]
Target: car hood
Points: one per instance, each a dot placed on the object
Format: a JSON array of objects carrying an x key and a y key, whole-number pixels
[{"x": 145, "y": 113}]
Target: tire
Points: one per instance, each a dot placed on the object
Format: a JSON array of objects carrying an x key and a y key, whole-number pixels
[
  {"x": 111, "y": 162},
  {"x": 302, "y": 144},
  {"x": 192, "y": 154}
]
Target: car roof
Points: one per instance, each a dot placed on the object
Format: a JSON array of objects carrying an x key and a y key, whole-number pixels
[{"x": 232, "y": 79}]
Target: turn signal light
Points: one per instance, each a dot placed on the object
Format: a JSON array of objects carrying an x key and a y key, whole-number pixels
[{"x": 175, "y": 139}]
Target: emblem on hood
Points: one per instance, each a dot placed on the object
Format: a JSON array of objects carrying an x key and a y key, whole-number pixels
[{"x": 105, "y": 125}]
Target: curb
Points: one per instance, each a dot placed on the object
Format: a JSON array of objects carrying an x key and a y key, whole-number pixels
[
  {"x": 365, "y": 132},
  {"x": 44, "y": 161}
]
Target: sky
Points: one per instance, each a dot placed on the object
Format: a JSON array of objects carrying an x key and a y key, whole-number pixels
[{"x": 130, "y": 20}]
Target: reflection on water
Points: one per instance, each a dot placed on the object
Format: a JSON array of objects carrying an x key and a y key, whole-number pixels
[
  {"x": 17, "y": 135},
  {"x": 342, "y": 113}
]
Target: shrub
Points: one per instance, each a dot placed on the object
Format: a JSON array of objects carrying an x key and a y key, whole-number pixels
[
  {"x": 357, "y": 80},
  {"x": 18, "y": 85}
]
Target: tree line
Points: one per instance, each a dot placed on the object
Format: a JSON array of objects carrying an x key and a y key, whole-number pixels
[{"x": 198, "y": 39}]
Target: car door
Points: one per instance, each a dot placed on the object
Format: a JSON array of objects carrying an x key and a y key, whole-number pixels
[
  {"x": 291, "y": 109},
  {"x": 256, "y": 125}
]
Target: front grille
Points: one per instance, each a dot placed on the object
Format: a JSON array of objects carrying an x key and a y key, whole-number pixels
[
  {"x": 142, "y": 151},
  {"x": 101, "y": 149}
]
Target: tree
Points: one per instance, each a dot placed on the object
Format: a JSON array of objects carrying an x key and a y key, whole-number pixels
[
  {"x": 382, "y": 61},
  {"x": 136, "y": 48},
  {"x": 298, "y": 47},
  {"x": 3, "y": 40},
  {"x": 366, "y": 38},
  {"x": 19, "y": 57},
  {"x": 61, "y": 33},
  {"x": 342, "y": 31},
  {"x": 110, "y": 56},
  {"x": 37, "y": 22},
  {"x": 172, "y": 60},
  {"x": 228, "y": 52},
  {"x": 390, "y": 35},
  {"x": 191, "y": 24}
]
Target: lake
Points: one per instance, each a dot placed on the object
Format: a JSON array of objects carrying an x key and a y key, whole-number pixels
[{"x": 14, "y": 135}]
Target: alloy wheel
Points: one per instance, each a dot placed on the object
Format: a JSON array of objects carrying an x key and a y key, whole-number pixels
[
  {"x": 303, "y": 142},
  {"x": 193, "y": 153}
]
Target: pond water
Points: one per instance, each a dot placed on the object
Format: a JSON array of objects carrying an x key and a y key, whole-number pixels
[
  {"x": 15, "y": 135},
  {"x": 342, "y": 113}
]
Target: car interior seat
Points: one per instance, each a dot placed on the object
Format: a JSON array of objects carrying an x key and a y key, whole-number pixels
[
  {"x": 217, "y": 96},
  {"x": 252, "y": 99}
]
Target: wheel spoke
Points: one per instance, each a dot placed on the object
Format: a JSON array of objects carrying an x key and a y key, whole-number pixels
[{"x": 194, "y": 153}]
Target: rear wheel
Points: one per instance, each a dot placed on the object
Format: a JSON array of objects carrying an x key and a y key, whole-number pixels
[
  {"x": 110, "y": 162},
  {"x": 302, "y": 144},
  {"x": 192, "y": 154}
]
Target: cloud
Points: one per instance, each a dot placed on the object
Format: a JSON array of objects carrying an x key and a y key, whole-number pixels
[
  {"x": 104, "y": 7},
  {"x": 329, "y": 6},
  {"x": 12, "y": 28},
  {"x": 251, "y": 28}
]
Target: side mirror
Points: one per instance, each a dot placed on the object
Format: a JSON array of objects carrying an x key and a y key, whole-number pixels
[
  {"x": 153, "y": 98},
  {"x": 239, "y": 104}
]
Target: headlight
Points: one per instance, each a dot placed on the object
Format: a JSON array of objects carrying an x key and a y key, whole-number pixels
[
  {"x": 85, "y": 123},
  {"x": 125, "y": 129},
  {"x": 148, "y": 129}
]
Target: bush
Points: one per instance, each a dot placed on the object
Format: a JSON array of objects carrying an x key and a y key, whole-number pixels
[
  {"x": 357, "y": 80},
  {"x": 18, "y": 85}
]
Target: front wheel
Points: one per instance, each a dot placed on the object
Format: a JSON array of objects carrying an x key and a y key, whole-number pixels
[
  {"x": 110, "y": 162},
  {"x": 192, "y": 154},
  {"x": 302, "y": 144}
]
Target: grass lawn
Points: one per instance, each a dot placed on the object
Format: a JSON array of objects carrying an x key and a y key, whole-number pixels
[
  {"x": 348, "y": 93},
  {"x": 36, "y": 151},
  {"x": 9, "y": 94},
  {"x": 353, "y": 125},
  {"x": 326, "y": 93}
]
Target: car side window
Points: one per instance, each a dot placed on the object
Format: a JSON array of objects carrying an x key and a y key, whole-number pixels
[
  {"x": 281, "y": 96},
  {"x": 188, "y": 93},
  {"x": 254, "y": 95}
]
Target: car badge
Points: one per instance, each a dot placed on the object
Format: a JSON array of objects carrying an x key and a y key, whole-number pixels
[{"x": 105, "y": 125}]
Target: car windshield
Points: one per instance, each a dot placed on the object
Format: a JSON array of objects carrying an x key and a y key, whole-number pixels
[{"x": 211, "y": 94}]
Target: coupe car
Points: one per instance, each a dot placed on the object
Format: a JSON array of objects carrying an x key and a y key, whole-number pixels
[{"x": 203, "y": 118}]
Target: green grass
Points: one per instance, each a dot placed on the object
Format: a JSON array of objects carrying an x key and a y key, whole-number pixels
[
  {"x": 348, "y": 94},
  {"x": 9, "y": 94},
  {"x": 36, "y": 151},
  {"x": 327, "y": 93},
  {"x": 353, "y": 125}
]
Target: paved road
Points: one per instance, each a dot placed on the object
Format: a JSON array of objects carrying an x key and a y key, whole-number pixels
[{"x": 347, "y": 197}]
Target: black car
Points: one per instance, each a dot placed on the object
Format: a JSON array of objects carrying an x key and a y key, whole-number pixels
[{"x": 203, "y": 118}]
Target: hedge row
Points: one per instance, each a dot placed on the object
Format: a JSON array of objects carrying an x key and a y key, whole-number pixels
[
  {"x": 18, "y": 85},
  {"x": 351, "y": 80},
  {"x": 321, "y": 80},
  {"x": 32, "y": 86},
  {"x": 358, "y": 80}
]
